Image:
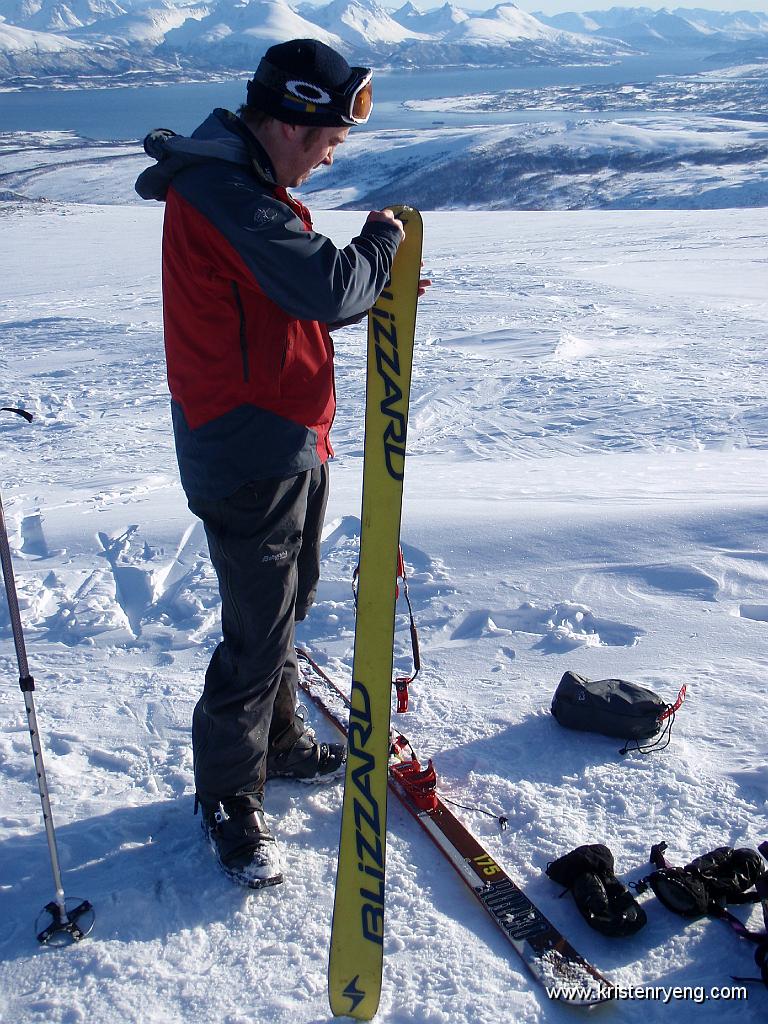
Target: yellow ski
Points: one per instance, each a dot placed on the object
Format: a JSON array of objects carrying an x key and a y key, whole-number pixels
[{"x": 357, "y": 937}]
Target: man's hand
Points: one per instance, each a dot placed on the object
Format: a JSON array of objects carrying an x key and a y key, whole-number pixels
[{"x": 387, "y": 217}]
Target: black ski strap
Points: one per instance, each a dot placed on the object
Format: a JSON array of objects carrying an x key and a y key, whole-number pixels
[
  {"x": 400, "y": 683},
  {"x": 659, "y": 862},
  {"x": 666, "y": 721},
  {"x": 19, "y": 412},
  {"x": 502, "y": 819},
  {"x": 761, "y": 959}
]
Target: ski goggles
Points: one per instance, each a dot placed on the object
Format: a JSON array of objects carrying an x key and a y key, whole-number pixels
[{"x": 352, "y": 104}]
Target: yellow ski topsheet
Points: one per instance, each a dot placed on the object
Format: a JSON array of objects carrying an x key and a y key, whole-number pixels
[{"x": 354, "y": 973}]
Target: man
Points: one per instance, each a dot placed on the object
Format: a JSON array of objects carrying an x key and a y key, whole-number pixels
[{"x": 250, "y": 292}]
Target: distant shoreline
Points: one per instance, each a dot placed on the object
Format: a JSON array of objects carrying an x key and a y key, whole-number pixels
[{"x": 154, "y": 78}]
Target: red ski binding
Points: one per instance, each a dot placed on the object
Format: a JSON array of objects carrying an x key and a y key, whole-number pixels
[{"x": 419, "y": 783}]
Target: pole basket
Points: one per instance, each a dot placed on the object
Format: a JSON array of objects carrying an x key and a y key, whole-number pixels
[{"x": 55, "y": 927}]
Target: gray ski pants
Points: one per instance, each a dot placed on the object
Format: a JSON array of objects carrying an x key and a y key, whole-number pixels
[{"x": 264, "y": 543}]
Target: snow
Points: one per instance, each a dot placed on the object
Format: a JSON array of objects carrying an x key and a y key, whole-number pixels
[
  {"x": 17, "y": 40},
  {"x": 363, "y": 24},
  {"x": 252, "y": 25},
  {"x": 204, "y": 38},
  {"x": 439, "y": 19},
  {"x": 503, "y": 22},
  {"x": 147, "y": 27},
  {"x": 586, "y": 490}
]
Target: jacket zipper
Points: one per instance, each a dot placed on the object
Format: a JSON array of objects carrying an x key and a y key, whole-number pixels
[{"x": 243, "y": 333}]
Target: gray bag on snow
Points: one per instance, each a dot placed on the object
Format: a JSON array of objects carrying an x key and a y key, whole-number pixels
[{"x": 613, "y": 707}]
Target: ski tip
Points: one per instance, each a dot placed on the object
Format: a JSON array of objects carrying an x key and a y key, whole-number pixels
[{"x": 404, "y": 212}]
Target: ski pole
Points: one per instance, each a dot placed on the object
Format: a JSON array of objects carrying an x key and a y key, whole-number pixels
[{"x": 73, "y": 922}]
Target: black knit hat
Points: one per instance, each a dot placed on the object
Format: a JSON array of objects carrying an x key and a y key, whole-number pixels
[{"x": 306, "y": 82}]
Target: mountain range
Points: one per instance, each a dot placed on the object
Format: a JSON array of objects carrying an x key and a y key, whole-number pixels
[
  {"x": 72, "y": 38},
  {"x": 652, "y": 30}
]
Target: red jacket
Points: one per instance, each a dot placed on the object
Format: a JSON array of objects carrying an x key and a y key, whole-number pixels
[{"x": 248, "y": 291}]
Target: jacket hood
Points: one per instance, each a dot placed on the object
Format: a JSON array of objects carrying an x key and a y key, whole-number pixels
[{"x": 222, "y": 137}]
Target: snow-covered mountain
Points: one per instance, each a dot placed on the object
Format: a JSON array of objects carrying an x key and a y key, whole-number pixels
[
  {"x": 18, "y": 40},
  {"x": 650, "y": 30},
  {"x": 505, "y": 35},
  {"x": 364, "y": 24},
  {"x": 27, "y": 52},
  {"x": 221, "y": 35},
  {"x": 56, "y": 15},
  {"x": 570, "y": 21},
  {"x": 236, "y": 29},
  {"x": 735, "y": 23},
  {"x": 236, "y": 32},
  {"x": 663, "y": 29},
  {"x": 435, "y": 22},
  {"x": 145, "y": 26},
  {"x": 226, "y": 34}
]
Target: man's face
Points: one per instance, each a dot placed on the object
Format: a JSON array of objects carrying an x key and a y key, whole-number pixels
[{"x": 308, "y": 149}]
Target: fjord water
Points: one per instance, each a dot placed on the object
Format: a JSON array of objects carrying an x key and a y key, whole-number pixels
[{"x": 127, "y": 112}]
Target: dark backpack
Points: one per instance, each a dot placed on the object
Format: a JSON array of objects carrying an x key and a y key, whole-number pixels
[{"x": 613, "y": 707}]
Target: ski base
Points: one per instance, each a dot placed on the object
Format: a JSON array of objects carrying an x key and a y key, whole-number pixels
[{"x": 355, "y": 962}]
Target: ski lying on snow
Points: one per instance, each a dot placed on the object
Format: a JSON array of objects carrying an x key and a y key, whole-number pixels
[{"x": 547, "y": 954}]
